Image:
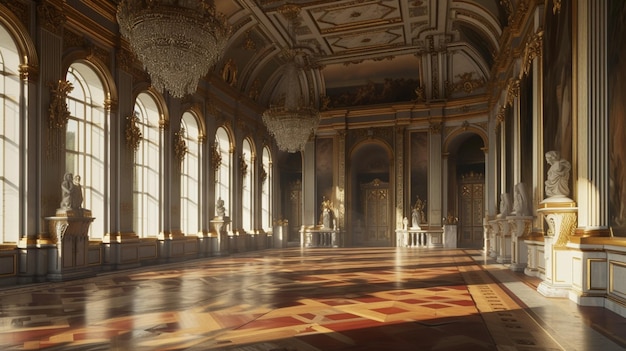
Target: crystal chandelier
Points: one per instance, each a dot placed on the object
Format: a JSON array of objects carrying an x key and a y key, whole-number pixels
[
  {"x": 291, "y": 121},
  {"x": 177, "y": 41}
]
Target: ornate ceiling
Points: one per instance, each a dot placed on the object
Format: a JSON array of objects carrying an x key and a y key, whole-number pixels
[{"x": 361, "y": 52}]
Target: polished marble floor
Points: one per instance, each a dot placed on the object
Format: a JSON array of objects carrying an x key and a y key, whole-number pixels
[{"x": 314, "y": 299}]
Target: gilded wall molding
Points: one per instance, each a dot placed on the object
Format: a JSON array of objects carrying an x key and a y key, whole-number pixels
[
  {"x": 133, "y": 132},
  {"x": 532, "y": 50},
  {"x": 435, "y": 127},
  {"x": 512, "y": 91},
  {"x": 180, "y": 145}
]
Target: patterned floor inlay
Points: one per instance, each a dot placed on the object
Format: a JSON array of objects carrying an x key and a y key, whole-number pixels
[{"x": 278, "y": 300}]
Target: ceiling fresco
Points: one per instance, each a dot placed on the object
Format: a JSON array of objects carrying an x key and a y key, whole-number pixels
[{"x": 430, "y": 49}]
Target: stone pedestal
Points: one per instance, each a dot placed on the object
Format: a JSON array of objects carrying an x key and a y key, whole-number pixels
[
  {"x": 520, "y": 227},
  {"x": 504, "y": 241},
  {"x": 219, "y": 228},
  {"x": 319, "y": 236},
  {"x": 281, "y": 235},
  {"x": 561, "y": 216},
  {"x": 68, "y": 237},
  {"x": 450, "y": 236},
  {"x": 536, "y": 263},
  {"x": 494, "y": 238}
]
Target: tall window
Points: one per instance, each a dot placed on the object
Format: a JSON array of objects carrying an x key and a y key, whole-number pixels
[
  {"x": 246, "y": 189},
  {"x": 266, "y": 182},
  {"x": 85, "y": 147},
  {"x": 190, "y": 174},
  {"x": 222, "y": 180},
  {"x": 9, "y": 139},
  {"x": 146, "y": 189}
]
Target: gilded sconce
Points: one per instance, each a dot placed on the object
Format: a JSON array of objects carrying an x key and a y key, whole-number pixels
[
  {"x": 216, "y": 157},
  {"x": 243, "y": 165},
  {"x": 58, "y": 110},
  {"x": 180, "y": 146},
  {"x": 133, "y": 133},
  {"x": 58, "y": 115}
]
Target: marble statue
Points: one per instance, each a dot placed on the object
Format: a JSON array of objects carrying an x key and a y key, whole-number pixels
[
  {"x": 76, "y": 194},
  {"x": 66, "y": 191},
  {"x": 326, "y": 217},
  {"x": 220, "y": 210},
  {"x": 417, "y": 213},
  {"x": 557, "y": 182},
  {"x": 415, "y": 218},
  {"x": 505, "y": 205},
  {"x": 520, "y": 201}
]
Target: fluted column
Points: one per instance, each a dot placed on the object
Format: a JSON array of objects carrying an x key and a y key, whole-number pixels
[
  {"x": 591, "y": 146},
  {"x": 435, "y": 177}
]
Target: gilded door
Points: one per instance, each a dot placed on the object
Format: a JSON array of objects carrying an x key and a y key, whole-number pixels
[
  {"x": 471, "y": 201},
  {"x": 375, "y": 196},
  {"x": 294, "y": 210}
]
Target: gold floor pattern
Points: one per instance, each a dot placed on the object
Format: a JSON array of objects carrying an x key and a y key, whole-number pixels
[{"x": 292, "y": 299}]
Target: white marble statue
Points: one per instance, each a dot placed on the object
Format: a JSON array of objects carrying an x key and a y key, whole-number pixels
[
  {"x": 505, "y": 205},
  {"x": 66, "y": 191},
  {"x": 220, "y": 210},
  {"x": 557, "y": 182},
  {"x": 520, "y": 201}
]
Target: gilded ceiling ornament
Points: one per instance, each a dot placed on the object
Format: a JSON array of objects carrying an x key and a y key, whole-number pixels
[
  {"x": 180, "y": 146},
  {"x": 248, "y": 42},
  {"x": 133, "y": 133},
  {"x": 467, "y": 83}
]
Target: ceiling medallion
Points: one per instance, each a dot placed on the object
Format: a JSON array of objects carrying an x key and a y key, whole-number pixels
[{"x": 177, "y": 41}]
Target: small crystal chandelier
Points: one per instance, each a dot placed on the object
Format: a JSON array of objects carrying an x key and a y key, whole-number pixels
[
  {"x": 177, "y": 41},
  {"x": 291, "y": 121}
]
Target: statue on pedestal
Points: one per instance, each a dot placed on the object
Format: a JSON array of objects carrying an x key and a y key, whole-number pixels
[
  {"x": 557, "y": 183},
  {"x": 417, "y": 213},
  {"x": 520, "y": 201},
  {"x": 505, "y": 205},
  {"x": 327, "y": 213},
  {"x": 220, "y": 210},
  {"x": 71, "y": 194}
]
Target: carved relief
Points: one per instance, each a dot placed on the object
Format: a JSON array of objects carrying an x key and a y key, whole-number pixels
[{"x": 51, "y": 17}]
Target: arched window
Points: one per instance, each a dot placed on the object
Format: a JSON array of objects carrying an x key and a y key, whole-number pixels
[
  {"x": 85, "y": 140},
  {"x": 9, "y": 139},
  {"x": 247, "y": 190},
  {"x": 222, "y": 180},
  {"x": 190, "y": 176},
  {"x": 146, "y": 188},
  {"x": 266, "y": 190}
]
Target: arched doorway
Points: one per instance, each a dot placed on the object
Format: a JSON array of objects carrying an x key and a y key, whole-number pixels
[
  {"x": 466, "y": 184},
  {"x": 290, "y": 180},
  {"x": 371, "y": 198}
]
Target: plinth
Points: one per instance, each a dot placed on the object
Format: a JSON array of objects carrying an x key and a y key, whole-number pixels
[
  {"x": 68, "y": 239},
  {"x": 219, "y": 225},
  {"x": 561, "y": 215}
]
